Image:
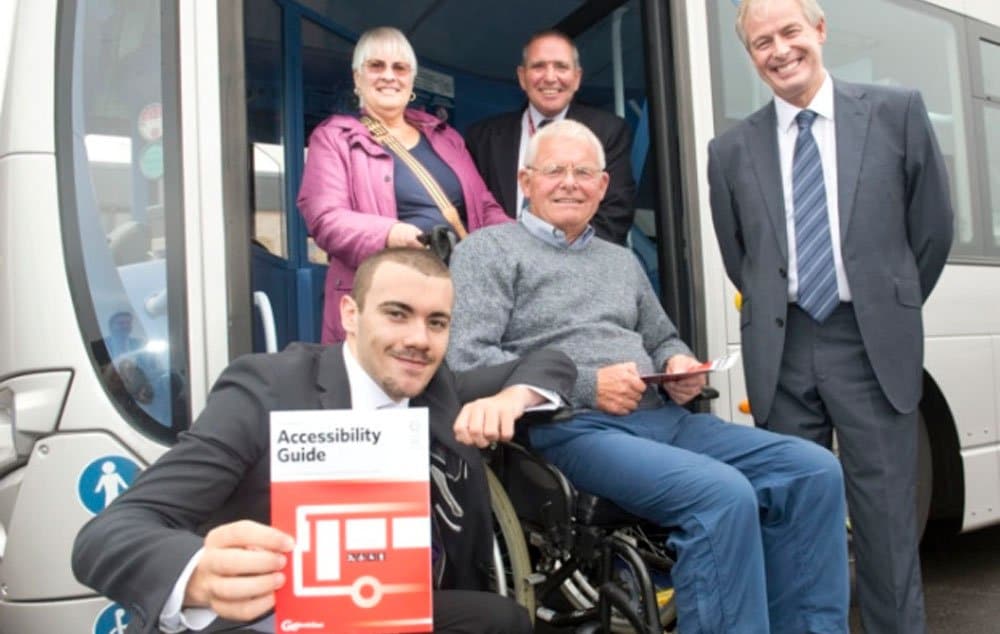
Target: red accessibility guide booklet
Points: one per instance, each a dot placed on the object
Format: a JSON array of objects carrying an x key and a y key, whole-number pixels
[{"x": 353, "y": 489}]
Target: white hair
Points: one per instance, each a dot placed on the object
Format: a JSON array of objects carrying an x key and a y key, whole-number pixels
[
  {"x": 565, "y": 129},
  {"x": 810, "y": 9},
  {"x": 387, "y": 38}
]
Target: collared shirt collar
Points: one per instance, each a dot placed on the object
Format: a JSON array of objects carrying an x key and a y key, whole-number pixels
[
  {"x": 821, "y": 104},
  {"x": 366, "y": 394},
  {"x": 537, "y": 117},
  {"x": 550, "y": 234}
]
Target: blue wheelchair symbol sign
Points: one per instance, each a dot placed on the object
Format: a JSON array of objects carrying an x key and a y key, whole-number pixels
[
  {"x": 103, "y": 480},
  {"x": 112, "y": 620}
]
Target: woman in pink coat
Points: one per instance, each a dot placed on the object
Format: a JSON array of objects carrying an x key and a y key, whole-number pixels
[{"x": 357, "y": 197}]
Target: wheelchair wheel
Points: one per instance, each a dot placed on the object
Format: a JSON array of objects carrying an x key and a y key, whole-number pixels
[
  {"x": 582, "y": 594},
  {"x": 511, "y": 563}
]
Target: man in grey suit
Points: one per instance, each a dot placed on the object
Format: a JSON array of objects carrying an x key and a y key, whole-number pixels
[
  {"x": 832, "y": 211},
  {"x": 190, "y": 542}
]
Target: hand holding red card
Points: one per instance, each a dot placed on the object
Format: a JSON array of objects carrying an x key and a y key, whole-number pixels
[{"x": 722, "y": 363}]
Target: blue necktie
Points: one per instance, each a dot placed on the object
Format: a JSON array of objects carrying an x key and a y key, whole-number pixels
[{"x": 814, "y": 250}]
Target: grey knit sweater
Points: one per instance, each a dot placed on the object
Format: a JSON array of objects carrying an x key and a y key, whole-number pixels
[{"x": 515, "y": 293}]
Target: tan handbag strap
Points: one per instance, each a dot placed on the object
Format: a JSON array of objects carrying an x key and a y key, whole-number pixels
[{"x": 385, "y": 138}]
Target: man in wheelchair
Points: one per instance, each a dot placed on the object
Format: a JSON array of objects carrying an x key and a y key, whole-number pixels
[{"x": 757, "y": 519}]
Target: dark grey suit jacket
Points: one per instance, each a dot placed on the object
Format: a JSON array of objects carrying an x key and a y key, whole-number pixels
[
  {"x": 494, "y": 145},
  {"x": 895, "y": 229},
  {"x": 219, "y": 471}
]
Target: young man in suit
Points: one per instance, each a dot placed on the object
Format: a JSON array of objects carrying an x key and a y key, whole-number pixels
[
  {"x": 832, "y": 212},
  {"x": 550, "y": 75},
  {"x": 189, "y": 541}
]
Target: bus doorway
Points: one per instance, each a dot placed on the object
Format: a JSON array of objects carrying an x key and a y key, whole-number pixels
[{"x": 298, "y": 72}]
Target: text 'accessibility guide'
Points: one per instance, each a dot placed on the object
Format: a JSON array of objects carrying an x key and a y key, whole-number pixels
[{"x": 353, "y": 489}]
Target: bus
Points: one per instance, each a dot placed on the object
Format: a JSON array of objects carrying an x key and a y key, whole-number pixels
[{"x": 150, "y": 155}]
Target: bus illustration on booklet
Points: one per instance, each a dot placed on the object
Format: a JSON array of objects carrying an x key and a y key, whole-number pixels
[{"x": 353, "y": 489}]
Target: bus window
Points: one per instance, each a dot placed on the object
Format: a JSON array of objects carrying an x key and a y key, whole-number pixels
[
  {"x": 987, "y": 99},
  {"x": 117, "y": 162},
  {"x": 269, "y": 205},
  {"x": 989, "y": 54},
  {"x": 264, "y": 113},
  {"x": 991, "y": 124}
]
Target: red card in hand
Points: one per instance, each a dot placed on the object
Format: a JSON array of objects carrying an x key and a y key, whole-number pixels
[
  {"x": 667, "y": 377},
  {"x": 722, "y": 363}
]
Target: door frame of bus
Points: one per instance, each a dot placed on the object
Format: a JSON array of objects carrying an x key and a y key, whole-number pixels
[
  {"x": 674, "y": 238},
  {"x": 236, "y": 176}
]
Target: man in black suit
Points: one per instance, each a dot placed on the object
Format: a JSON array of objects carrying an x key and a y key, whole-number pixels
[
  {"x": 189, "y": 541},
  {"x": 550, "y": 75}
]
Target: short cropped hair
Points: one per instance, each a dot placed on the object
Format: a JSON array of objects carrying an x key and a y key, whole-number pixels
[
  {"x": 420, "y": 260},
  {"x": 565, "y": 129},
  {"x": 387, "y": 37},
  {"x": 550, "y": 33},
  {"x": 810, "y": 9}
]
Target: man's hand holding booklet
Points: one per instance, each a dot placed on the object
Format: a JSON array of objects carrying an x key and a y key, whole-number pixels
[{"x": 722, "y": 363}]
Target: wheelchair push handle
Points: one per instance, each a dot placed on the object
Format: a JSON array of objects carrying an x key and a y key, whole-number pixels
[{"x": 441, "y": 240}]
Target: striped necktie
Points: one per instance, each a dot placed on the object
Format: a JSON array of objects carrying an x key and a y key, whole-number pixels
[{"x": 816, "y": 273}]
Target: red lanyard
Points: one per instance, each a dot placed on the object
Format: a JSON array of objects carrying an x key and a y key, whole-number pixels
[{"x": 531, "y": 125}]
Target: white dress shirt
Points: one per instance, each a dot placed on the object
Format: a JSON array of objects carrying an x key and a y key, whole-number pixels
[
  {"x": 526, "y": 126},
  {"x": 366, "y": 394},
  {"x": 824, "y": 131}
]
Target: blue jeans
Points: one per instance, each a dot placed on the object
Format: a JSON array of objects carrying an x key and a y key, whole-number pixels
[{"x": 758, "y": 518}]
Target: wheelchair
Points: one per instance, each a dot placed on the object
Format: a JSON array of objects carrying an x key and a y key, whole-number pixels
[{"x": 571, "y": 558}]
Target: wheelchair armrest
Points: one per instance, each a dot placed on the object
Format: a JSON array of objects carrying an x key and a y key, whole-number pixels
[
  {"x": 541, "y": 495},
  {"x": 708, "y": 393}
]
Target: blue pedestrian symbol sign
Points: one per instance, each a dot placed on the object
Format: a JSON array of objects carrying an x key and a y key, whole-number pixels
[
  {"x": 112, "y": 620},
  {"x": 105, "y": 479}
]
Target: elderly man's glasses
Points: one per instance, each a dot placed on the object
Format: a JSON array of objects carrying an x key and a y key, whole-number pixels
[
  {"x": 378, "y": 66},
  {"x": 581, "y": 173}
]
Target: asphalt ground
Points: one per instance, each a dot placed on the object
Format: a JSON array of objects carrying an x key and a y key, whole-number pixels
[{"x": 961, "y": 583}]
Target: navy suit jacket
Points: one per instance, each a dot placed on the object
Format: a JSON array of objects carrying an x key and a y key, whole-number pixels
[
  {"x": 895, "y": 229},
  {"x": 135, "y": 550},
  {"x": 494, "y": 145}
]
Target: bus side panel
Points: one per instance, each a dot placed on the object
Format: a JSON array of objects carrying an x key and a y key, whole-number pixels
[
  {"x": 85, "y": 615},
  {"x": 69, "y": 477},
  {"x": 26, "y": 118},
  {"x": 982, "y": 472},
  {"x": 962, "y": 357}
]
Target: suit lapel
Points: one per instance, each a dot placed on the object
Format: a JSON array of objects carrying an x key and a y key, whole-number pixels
[
  {"x": 762, "y": 140},
  {"x": 507, "y": 141},
  {"x": 852, "y": 114},
  {"x": 434, "y": 398},
  {"x": 441, "y": 401},
  {"x": 331, "y": 379},
  {"x": 575, "y": 113}
]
